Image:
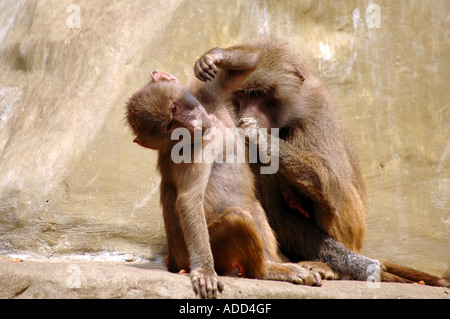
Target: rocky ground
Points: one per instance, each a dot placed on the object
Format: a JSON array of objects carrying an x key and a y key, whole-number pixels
[{"x": 91, "y": 279}]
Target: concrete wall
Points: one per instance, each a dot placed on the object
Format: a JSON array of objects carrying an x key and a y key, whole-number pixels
[{"x": 73, "y": 183}]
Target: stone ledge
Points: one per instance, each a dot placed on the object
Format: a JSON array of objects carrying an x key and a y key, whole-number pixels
[{"x": 90, "y": 279}]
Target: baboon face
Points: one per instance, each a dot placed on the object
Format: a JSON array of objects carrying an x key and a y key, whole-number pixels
[{"x": 159, "y": 108}]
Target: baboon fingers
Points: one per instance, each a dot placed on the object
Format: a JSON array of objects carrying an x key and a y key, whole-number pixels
[
  {"x": 308, "y": 277},
  {"x": 325, "y": 271},
  {"x": 205, "y": 68},
  {"x": 205, "y": 284},
  {"x": 293, "y": 273}
]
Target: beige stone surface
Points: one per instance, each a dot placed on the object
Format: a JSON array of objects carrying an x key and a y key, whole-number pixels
[
  {"x": 73, "y": 183},
  {"x": 39, "y": 279}
]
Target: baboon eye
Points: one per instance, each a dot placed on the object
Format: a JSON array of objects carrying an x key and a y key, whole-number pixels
[
  {"x": 169, "y": 126},
  {"x": 173, "y": 108},
  {"x": 241, "y": 92}
]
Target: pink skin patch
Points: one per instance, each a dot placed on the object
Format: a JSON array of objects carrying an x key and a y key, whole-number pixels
[
  {"x": 239, "y": 267},
  {"x": 293, "y": 204}
]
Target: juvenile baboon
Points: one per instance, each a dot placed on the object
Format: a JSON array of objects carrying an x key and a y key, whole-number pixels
[
  {"x": 213, "y": 221},
  {"x": 316, "y": 203}
]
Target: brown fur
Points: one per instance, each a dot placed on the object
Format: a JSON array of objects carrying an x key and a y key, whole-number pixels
[
  {"x": 212, "y": 218},
  {"x": 317, "y": 199},
  {"x": 319, "y": 161},
  {"x": 398, "y": 273}
]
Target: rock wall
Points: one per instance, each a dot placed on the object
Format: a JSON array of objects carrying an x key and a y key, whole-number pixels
[{"x": 73, "y": 183}]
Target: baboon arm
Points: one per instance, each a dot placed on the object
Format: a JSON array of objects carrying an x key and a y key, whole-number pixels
[
  {"x": 195, "y": 232},
  {"x": 189, "y": 206},
  {"x": 306, "y": 171},
  {"x": 237, "y": 58}
]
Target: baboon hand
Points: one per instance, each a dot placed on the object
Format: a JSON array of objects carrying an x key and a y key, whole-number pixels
[
  {"x": 205, "y": 68},
  {"x": 293, "y": 273},
  {"x": 304, "y": 276},
  {"x": 325, "y": 271},
  {"x": 250, "y": 126},
  {"x": 206, "y": 283}
]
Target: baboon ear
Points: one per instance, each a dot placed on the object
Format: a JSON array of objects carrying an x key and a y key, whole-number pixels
[
  {"x": 145, "y": 144},
  {"x": 300, "y": 74},
  {"x": 158, "y": 76}
]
